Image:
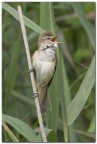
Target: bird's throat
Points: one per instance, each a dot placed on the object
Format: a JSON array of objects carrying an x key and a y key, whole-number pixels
[{"x": 47, "y": 54}]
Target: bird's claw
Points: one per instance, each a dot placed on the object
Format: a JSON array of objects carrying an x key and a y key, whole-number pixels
[
  {"x": 30, "y": 70},
  {"x": 36, "y": 95}
]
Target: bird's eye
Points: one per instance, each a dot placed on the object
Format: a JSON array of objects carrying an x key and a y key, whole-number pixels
[{"x": 48, "y": 38}]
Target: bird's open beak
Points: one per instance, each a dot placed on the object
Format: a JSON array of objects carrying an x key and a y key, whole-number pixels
[{"x": 54, "y": 39}]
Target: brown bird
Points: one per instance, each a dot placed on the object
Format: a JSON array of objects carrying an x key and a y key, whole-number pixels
[{"x": 44, "y": 64}]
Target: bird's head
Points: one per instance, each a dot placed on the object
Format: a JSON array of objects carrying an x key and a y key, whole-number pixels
[{"x": 47, "y": 40}]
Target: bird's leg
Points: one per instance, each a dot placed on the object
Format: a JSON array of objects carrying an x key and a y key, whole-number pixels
[
  {"x": 36, "y": 95},
  {"x": 30, "y": 70}
]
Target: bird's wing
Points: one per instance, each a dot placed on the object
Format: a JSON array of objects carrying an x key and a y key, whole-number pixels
[
  {"x": 53, "y": 74},
  {"x": 32, "y": 61}
]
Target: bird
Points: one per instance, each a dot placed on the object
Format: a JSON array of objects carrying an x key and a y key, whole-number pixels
[{"x": 44, "y": 66}]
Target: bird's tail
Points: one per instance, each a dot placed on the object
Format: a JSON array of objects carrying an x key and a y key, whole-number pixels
[{"x": 44, "y": 99}]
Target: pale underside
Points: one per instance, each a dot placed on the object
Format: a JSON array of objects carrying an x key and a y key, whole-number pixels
[{"x": 44, "y": 66}]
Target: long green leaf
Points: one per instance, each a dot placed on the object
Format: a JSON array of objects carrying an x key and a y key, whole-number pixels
[
  {"x": 52, "y": 17},
  {"x": 27, "y": 21},
  {"x": 85, "y": 22},
  {"x": 77, "y": 104},
  {"x": 24, "y": 99},
  {"x": 21, "y": 127},
  {"x": 52, "y": 116},
  {"x": 46, "y": 17},
  {"x": 49, "y": 133},
  {"x": 64, "y": 97},
  {"x": 58, "y": 79},
  {"x": 92, "y": 126},
  {"x": 12, "y": 72}
]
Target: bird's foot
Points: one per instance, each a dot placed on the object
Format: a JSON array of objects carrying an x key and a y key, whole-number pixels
[
  {"x": 36, "y": 95},
  {"x": 30, "y": 70}
]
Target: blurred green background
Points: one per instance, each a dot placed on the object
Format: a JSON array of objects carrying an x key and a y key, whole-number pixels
[{"x": 72, "y": 91}]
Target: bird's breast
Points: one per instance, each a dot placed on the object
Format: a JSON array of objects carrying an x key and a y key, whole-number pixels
[
  {"x": 44, "y": 71},
  {"x": 44, "y": 65}
]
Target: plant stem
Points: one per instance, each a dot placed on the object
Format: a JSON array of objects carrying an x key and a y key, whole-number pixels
[
  {"x": 39, "y": 115},
  {"x": 12, "y": 136},
  {"x": 66, "y": 133}
]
